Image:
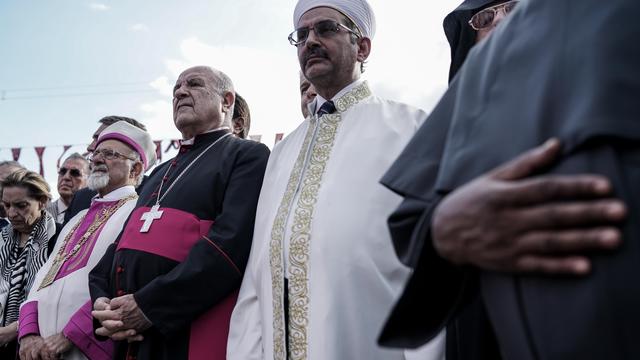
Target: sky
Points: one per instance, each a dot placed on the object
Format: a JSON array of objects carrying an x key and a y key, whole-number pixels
[{"x": 65, "y": 64}]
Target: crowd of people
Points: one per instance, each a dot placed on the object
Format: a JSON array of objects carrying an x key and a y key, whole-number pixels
[{"x": 500, "y": 226}]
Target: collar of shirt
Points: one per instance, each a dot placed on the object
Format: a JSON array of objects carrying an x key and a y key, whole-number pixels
[
  {"x": 61, "y": 206},
  {"x": 193, "y": 139},
  {"x": 117, "y": 194},
  {"x": 315, "y": 105}
]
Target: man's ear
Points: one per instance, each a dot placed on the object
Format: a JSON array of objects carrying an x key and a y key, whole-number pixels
[
  {"x": 228, "y": 99},
  {"x": 364, "y": 49},
  {"x": 136, "y": 170}
]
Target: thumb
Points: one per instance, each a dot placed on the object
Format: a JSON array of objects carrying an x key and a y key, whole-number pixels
[{"x": 529, "y": 162}]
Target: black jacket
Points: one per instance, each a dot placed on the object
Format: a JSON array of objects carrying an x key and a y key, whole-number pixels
[{"x": 563, "y": 69}]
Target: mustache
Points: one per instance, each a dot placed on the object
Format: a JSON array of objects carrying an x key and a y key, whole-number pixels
[
  {"x": 101, "y": 167},
  {"x": 315, "y": 52}
]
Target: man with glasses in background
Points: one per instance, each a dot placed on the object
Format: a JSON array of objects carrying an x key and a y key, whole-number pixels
[
  {"x": 72, "y": 176},
  {"x": 471, "y": 22},
  {"x": 322, "y": 272}
]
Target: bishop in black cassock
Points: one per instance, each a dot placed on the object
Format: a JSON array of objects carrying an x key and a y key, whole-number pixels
[
  {"x": 565, "y": 69},
  {"x": 183, "y": 261}
]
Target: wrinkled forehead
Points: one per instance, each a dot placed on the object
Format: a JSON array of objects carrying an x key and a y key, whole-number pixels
[
  {"x": 73, "y": 164},
  {"x": 201, "y": 72},
  {"x": 320, "y": 13},
  {"x": 13, "y": 194}
]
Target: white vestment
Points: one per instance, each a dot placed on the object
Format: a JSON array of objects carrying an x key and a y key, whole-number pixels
[
  {"x": 59, "y": 302},
  {"x": 322, "y": 223}
]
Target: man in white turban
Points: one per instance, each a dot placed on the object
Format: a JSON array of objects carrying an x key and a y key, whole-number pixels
[{"x": 322, "y": 274}]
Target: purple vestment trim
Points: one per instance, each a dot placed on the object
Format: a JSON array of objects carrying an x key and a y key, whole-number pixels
[
  {"x": 82, "y": 257},
  {"x": 28, "y": 320},
  {"x": 79, "y": 331},
  {"x": 210, "y": 331}
]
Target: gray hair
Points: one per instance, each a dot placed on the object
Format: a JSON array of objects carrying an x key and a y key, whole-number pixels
[
  {"x": 77, "y": 156},
  {"x": 11, "y": 163},
  {"x": 222, "y": 84},
  {"x": 137, "y": 158},
  {"x": 112, "y": 119}
]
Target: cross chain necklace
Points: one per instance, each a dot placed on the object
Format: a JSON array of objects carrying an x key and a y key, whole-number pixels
[{"x": 155, "y": 213}]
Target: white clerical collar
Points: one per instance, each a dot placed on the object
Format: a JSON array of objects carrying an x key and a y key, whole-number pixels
[
  {"x": 319, "y": 100},
  {"x": 117, "y": 194},
  {"x": 193, "y": 139}
]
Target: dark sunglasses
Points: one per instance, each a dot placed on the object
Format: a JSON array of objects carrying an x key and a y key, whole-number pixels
[
  {"x": 324, "y": 29},
  {"x": 484, "y": 18},
  {"x": 72, "y": 172}
]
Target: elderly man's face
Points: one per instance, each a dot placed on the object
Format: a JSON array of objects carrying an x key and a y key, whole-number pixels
[
  {"x": 108, "y": 174},
  {"x": 327, "y": 61},
  {"x": 307, "y": 94},
  {"x": 197, "y": 105},
  {"x": 72, "y": 177}
]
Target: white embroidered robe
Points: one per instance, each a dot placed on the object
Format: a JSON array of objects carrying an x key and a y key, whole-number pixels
[
  {"x": 59, "y": 302},
  {"x": 322, "y": 222}
]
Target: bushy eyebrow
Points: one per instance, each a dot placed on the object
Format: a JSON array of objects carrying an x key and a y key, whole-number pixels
[{"x": 193, "y": 80}]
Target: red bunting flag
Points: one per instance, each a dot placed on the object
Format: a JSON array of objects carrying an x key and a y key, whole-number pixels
[
  {"x": 65, "y": 148},
  {"x": 40, "y": 152},
  {"x": 16, "y": 153},
  {"x": 175, "y": 144},
  {"x": 158, "y": 150}
]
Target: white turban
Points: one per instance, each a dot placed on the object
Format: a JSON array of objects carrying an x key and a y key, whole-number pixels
[{"x": 357, "y": 11}]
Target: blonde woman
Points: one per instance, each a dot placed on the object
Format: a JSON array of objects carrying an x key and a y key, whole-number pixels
[{"x": 25, "y": 245}]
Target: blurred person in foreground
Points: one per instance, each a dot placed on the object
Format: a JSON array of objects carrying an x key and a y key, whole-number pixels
[{"x": 550, "y": 255}]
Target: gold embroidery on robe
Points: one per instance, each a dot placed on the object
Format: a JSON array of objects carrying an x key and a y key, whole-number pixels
[{"x": 301, "y": 229}]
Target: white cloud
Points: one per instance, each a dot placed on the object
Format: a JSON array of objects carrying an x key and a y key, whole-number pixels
[
  {"x": 266, "y": 79},
  {"x": 139, "y": 27},
  {"x": 98, "y": 7},
  {"x": 158, "y": 117},
  {"x": 163, "y": 86},
  {"x": 409, "y": 63}
]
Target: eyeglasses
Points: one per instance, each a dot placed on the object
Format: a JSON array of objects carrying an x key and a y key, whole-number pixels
[
  {"x": 109, "y": 154},
  {"x": 72, "y": 172},
  {"x": 324, "y": 29},
  {"x": 485, "y": 18}
]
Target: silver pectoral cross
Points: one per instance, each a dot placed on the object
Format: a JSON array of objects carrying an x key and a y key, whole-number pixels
[{"x": 149, "y": 217}]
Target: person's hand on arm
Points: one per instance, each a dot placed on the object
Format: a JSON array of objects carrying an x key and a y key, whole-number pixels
[
  {"x": 8, "y": 333},
  {"x": 54, "y": 346},
  {"x": 508, "y": 220},
  {"x": 30, "y": 347}
]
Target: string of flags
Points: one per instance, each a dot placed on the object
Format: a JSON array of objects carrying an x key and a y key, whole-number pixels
[{"x": 170, "y": 144}]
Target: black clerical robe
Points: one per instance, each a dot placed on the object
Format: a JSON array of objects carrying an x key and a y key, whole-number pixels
[
  {"x": 566, "y": 69},
  {"x": 186, "y": 270}
]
